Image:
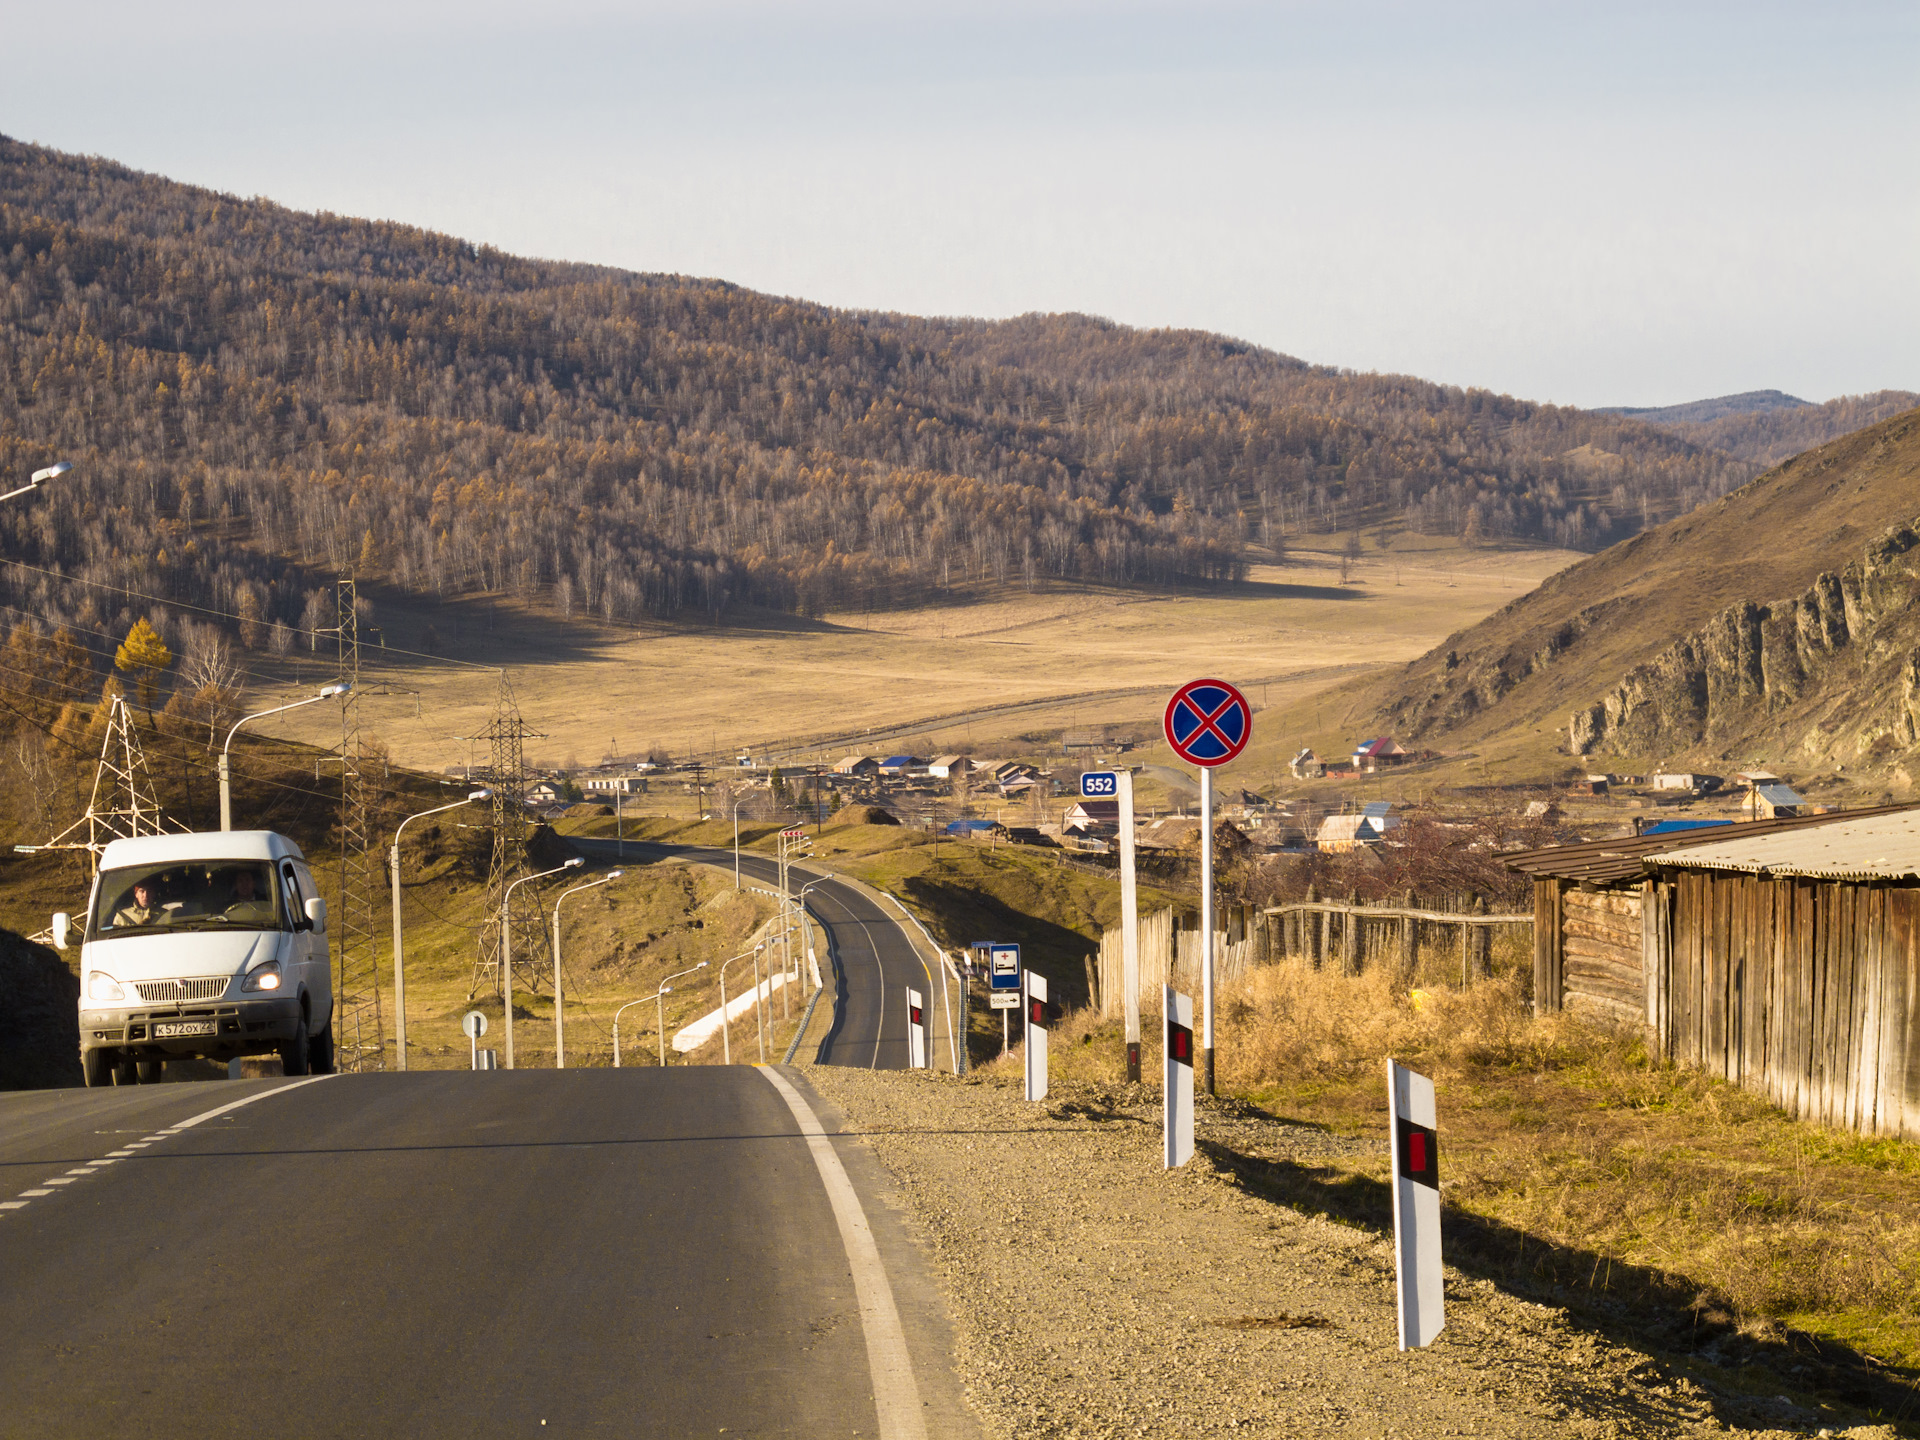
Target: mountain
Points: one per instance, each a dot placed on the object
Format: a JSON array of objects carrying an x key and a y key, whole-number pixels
[
  {"x": 1698, "y": 412},
  {"x": 258, "y": 399},
  {"x": 1783, "y": 620}
]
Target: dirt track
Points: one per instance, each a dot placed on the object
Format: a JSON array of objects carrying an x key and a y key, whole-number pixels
[{"x": 1094, "y": 1294}]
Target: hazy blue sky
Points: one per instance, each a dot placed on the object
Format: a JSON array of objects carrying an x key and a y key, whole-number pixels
[{"x": 1601, "y": 204}]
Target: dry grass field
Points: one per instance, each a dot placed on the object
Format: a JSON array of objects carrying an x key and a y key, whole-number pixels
[{"x": 982, "y": 672}]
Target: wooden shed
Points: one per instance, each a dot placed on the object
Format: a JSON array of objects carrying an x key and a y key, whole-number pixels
[{"x": 1749, "y": 951}]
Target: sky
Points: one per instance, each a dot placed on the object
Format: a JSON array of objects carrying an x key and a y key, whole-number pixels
[{"x": 1604, "y": 204}]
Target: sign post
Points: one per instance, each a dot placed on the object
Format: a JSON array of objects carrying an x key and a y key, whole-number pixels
[
  {"x": 475, "y": 1025},
  {"x": 1208, "y": 723},
  {"x": 1118, "y": 784},
  {"x": 1417, "y": 1281},
  {"x": 1039, "y": 1016},
  {"x": 916, "y": 1031},
  {"x": 1176, "y": 1077},
  {"x": 1003, "y": 987}
]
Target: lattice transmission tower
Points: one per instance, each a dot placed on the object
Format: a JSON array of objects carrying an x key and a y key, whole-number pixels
[
  {"x": 123, "y": 804},
  {"x": 359, "y": 1038},
  {"x": 506, "y": 775}
]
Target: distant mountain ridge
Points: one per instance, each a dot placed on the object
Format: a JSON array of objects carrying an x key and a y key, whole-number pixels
[{"x": 1695, "y": 412}]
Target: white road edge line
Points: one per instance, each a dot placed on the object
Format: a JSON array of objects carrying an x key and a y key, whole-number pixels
[{"x": 896, "y": 1395}]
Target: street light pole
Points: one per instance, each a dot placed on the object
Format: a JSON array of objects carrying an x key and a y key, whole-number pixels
[
  {"x": 559, "y": 995},
  {"x": 736, "y": 840},
  {"x": 506, "y": 942},
  {"x": 657, "y": 995},
  {"x": 226, "y": 791},
  {"x": 399, "y": 973},
  {"x": 726, "y": 1024}
]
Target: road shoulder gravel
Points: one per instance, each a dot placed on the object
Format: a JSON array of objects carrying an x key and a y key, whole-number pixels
[{"x": 1094, "y": 1294}]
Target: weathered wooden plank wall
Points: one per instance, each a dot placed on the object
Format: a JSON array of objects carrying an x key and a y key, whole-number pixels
[{"x": 1799, "y": 990}]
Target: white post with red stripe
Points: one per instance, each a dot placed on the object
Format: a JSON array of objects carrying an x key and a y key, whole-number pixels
[
  {"x": 1418, "y": 1283},
  {"x": 1038, "y": 1015},
  {"x": 916, "y": 1031},
  {"x": 1176, "y": 1073}
]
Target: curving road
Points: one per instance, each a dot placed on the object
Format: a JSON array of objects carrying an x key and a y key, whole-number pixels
[
  {"x": 877, "y": 958},
  {"x": 447, "y": 1254}
]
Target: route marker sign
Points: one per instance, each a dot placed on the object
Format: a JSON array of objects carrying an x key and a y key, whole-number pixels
[
  {"x": 1416, "y": 1207},
  {"x": 1099, "y": 785},
  {"x": 1039, "y": 1016},
  {"x": 1208, "y": 722},
  {"x": 916, "y": 1031},
  {"x": 1176, "y": 1076}
]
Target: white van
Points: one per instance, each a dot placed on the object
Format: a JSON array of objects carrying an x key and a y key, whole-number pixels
[{"x": 207, "y": 944}]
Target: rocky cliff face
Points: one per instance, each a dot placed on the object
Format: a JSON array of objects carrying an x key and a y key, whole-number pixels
[{"x": 1846, "y": 652}]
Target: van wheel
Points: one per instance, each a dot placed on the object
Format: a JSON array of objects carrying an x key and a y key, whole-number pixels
[
  {"x": 320, "y": 1052},
  {"x": 293, "y": 1054},
  {"x": 150, "y": 1072},
  {"x": 97, "y": 1067},
  {"x": 125, "y": 1071}
]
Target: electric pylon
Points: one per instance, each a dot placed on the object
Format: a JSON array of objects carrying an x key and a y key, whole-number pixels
[
  {"x": 359, "y": 1038},
  {"x": 506, "y": 775},
  {"x": 122, "y": 804}
]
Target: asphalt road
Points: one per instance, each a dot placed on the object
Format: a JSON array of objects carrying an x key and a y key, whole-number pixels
[
  {"x": 878, "y": 962},
  {"x": 636, "y": 1252}
]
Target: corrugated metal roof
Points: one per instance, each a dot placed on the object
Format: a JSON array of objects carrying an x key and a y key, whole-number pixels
[
  {"x": 1880, "y": 847},
  {"x": 1377, "y": 809},
  {"x": 1605, "y": 862},
  {"x": 1778, "y": 794}
]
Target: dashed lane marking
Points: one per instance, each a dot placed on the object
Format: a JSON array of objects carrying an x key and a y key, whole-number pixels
[{"x": 45, "y": 1187}]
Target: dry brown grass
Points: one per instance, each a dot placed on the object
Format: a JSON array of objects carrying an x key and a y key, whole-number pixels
[{"x": 1574, "y": 1165}]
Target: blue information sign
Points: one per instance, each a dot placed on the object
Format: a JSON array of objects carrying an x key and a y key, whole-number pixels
[
  {"x": 1003, "y": 967},
  {"x": 1099, "y": 785}
]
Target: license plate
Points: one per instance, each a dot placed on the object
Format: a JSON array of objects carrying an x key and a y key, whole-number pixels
[{"x": 176, "y": 1029}]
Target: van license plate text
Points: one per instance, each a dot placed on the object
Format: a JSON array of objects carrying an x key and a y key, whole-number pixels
[{"x": 174, "y": 1029}]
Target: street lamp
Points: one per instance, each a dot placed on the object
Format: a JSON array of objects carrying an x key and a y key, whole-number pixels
[
  {"x": 399, "y": 974},
  {"x": 559, "y": 996},
  {"x": 40, "y": 477},
  {"x": 736, "y": 838},
  {"x": 799, "y": 904},
  {"x": 726, "y": 1023},
  {"x": 506, "y": 941},
  {"x": 658, "y": 998},
  {"x": 226, "y": 792}
]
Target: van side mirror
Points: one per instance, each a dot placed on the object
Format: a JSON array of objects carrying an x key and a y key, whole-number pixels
[
  {"x": 317, "y": 915},
  {"x": 62, "y": 923}
]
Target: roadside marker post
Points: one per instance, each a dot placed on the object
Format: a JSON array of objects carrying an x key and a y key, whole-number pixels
[
  {"x": 1208, "y": 723},
  {"x": 1039, "y": 1017},
  {"x": 916, "y": 1031},
  {"x": 1003, "y": 987},
  {"x": 474, "y": 1024},
  {"x": 1118, "y": 785},
  {"x": 1176, "y": 1077},
  {"x": 1418, "y": 1284}
]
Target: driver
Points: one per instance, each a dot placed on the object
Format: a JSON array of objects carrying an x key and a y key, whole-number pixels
[{"x": 145, "y": 909}]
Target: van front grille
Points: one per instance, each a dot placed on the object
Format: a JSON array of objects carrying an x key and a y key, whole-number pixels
[{"x": 161, "y": 992}]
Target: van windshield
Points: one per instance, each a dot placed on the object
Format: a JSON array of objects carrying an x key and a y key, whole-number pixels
[{"x": 186, "y": 895}]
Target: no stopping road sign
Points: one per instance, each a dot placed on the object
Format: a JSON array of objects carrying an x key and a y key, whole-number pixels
[{"x": 1208, "y": 722}]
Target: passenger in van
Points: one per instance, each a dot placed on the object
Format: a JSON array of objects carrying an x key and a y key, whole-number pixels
[{"x": 145, "y": 909}]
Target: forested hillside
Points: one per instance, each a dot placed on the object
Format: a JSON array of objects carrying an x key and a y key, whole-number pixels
[
  {"x": 1768, "y": 437},
  {"x": 259, "y": 398}
]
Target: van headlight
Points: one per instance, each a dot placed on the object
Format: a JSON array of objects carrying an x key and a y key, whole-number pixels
[
  {"x": 265, "y": 977},
  {"x": 102, "y": 986}
]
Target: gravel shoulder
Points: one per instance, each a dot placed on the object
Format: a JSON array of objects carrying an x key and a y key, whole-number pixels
[{"x": 1092, "y": 1293}]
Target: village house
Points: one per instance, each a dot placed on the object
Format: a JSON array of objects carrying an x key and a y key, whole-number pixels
[
  {"x": 1339, "y": 834},
  {"x": 1772, "y": 800},
  {"x": 1306, "y": 766},
  {"x": 858, "y": 765},
  {"x": 945, "y": 767},
  {"x": 1377, "y": 754},
  {"x": 1686, "y": 780},
  {"x": 903, "y": 765},
  {"x": 1093, "y": 817}
]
